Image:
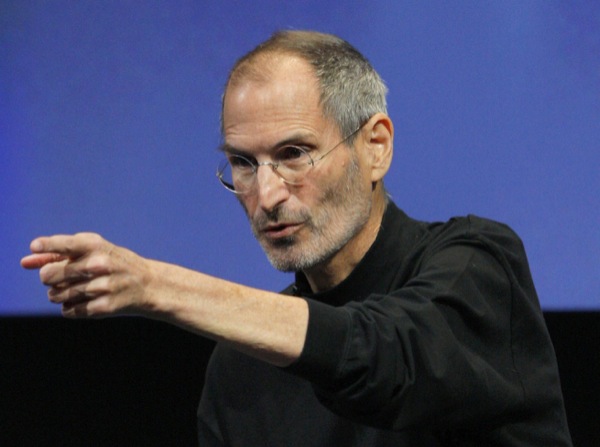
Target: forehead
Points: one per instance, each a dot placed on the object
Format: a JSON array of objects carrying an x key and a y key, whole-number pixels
[{"x": 281, "y": 97}]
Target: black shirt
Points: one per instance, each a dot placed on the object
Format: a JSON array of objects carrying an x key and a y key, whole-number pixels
[{"x": 436, "y": 338}]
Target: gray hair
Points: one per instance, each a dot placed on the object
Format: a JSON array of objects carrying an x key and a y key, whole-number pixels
[{"x": 351, "y": 91}]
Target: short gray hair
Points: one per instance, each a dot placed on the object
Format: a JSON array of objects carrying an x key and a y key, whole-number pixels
[{"x": 351, "y": 91}]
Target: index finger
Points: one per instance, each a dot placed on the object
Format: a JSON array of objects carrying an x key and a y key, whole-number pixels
[{"x": 72, "y": 246}]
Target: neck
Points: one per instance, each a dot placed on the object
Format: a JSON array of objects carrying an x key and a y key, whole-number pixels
[{"x": 333, "y": 271}]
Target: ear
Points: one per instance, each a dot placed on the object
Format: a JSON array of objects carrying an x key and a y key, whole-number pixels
[{"x": 378, "y": 134}]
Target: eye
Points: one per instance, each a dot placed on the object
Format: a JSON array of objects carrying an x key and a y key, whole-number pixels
[
  {"x": 240, "y": 163},
  {"x": 290, "y": 154}
]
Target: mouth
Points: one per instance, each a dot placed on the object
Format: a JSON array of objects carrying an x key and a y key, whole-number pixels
[{"x": 280, "y": 230}]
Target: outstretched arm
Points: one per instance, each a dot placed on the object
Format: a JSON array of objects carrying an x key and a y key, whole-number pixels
[{"x": 90, "y": 277}]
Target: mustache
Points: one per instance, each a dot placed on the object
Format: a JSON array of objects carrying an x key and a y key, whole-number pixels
[{"x": 262, "y": 219}]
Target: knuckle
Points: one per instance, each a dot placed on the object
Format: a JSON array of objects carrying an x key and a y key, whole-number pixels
[
  {"x": 94, "y": 238},
  {"x": 53, "y": 295},
  {"x": 100, "y": 263},
  {"x": 43, "y": 276},
  {"x": 104, "y": 286},
  {"x": 100, "y": 307},
  {"x": 46, "y": 275},
  {"x": 87, "y": 239}
]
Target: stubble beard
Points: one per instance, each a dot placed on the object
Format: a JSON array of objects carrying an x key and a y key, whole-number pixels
[{"x": 342, "y": 212}]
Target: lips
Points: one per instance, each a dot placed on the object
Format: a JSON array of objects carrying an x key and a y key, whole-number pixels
[{"x": 279, "y": 230}]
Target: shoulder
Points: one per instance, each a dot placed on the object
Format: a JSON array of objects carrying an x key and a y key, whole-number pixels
[
  {"x": 473, "y": 226},
  {"x": 497, "y": 238}
]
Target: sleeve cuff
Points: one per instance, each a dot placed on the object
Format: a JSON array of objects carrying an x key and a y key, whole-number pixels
[{"x": 325, "y": 345}]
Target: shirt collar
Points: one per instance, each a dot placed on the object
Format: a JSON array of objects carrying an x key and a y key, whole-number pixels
[{"x": 377, "y": 270}]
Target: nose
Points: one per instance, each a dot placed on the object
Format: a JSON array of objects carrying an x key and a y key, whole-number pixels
[{"x": 270, "y": 188}]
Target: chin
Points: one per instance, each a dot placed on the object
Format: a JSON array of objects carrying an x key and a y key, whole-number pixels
[
  {"x": 283, "y": 256},
  {"x": 291, "y": 256}
]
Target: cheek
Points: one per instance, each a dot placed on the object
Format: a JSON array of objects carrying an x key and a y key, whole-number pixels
[
  {"x": 308, "y": 195},
  {"x": 248, "y": 203},
  {"x": 344, "y": 174},
  {"x": 322, "y": 177}
]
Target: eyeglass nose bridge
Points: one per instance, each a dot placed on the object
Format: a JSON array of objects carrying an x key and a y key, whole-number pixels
[
  {"x": 273, "y": 165},
  {"x": 258, "y": 164}
]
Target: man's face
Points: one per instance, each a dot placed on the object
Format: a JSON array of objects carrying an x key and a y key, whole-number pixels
[{"x": 298, "y": 226}]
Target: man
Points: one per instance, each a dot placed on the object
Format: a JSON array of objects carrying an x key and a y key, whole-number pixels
[{"x": 395, "y": 332}]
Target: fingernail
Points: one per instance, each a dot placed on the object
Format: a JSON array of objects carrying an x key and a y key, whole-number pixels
[{"x": 36, "y": 246}]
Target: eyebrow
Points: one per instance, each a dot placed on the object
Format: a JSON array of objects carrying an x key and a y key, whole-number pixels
[
  {"x": 223, "y": 148},
  {"x": 297, "y": 139}
]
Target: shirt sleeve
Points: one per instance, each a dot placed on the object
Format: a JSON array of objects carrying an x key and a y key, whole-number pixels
[{"x": 440, "y": 351}]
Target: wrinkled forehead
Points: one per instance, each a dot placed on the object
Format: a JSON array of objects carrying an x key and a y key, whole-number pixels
[
  {"x": 269, "y": 66},
  {"x": 280, "y": 93},
  {"x": 271, "y": 76}
]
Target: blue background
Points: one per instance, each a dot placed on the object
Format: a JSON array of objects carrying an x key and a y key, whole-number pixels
[{"x": 109, "y": 123}]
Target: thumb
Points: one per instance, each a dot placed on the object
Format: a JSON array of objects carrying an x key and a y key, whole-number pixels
[{"x": 36, "y": 261}]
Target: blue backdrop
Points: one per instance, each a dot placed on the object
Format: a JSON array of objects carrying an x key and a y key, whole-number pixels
[{"x": 109, "y": 123}]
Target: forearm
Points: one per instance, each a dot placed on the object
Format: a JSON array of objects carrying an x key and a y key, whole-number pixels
[
  {"x": 265, "y": 325},
  {"x": 90, "y": 277}
]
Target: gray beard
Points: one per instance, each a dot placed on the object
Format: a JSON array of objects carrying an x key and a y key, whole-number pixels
[{"x": 344, "y": 210}]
